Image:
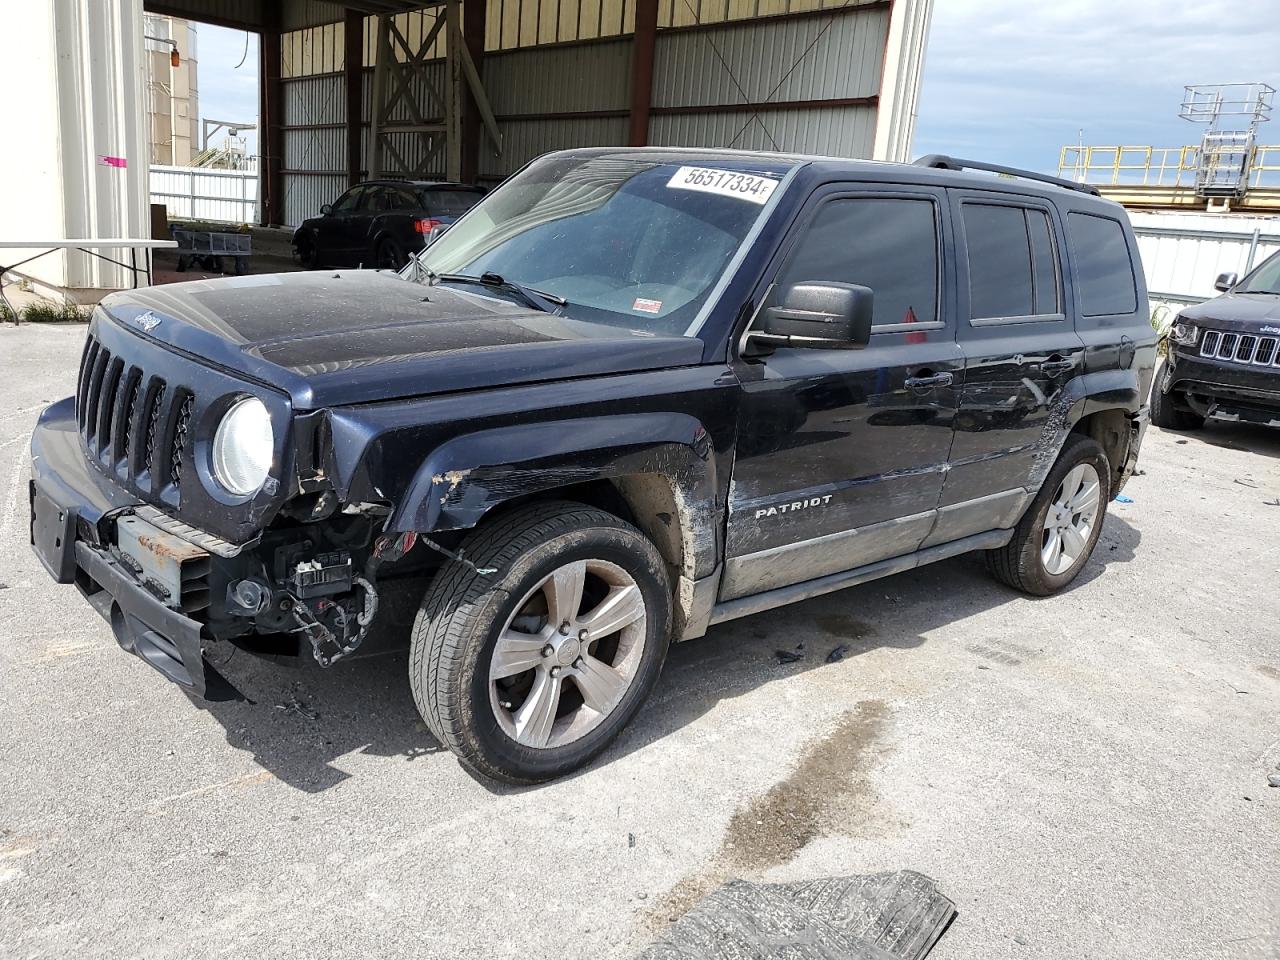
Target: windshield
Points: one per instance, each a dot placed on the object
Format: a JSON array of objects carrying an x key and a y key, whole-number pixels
[
  {"x": 625, "y": 241},
  {"x": 1266, "y": 279}
]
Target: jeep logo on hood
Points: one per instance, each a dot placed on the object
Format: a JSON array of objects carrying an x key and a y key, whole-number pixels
[{"x": 1268, "y": 328}]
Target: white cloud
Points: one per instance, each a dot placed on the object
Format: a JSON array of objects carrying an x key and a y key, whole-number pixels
[{"x": 1012, "y": 81}]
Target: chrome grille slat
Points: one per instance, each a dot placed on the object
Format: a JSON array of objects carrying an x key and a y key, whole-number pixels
[
  {"x": 1228, "y": 348},
  {"x": 1266, "y": 352},
  {"x": 1243, "y": 348}
]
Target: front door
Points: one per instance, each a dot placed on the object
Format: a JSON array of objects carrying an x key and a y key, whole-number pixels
[
  {"x": 1020, "y": 350},
  {"x": 841, "y": 453},
  {"x": 334, "y": 231}
]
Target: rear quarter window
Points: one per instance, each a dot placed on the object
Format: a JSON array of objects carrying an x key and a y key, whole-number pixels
[{"x": 1104, "y": 269}]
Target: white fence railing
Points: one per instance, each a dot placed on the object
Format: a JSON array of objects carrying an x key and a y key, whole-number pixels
[
  {"x": 201, "y": 193},
  {"x": 1182, "y": 254}
]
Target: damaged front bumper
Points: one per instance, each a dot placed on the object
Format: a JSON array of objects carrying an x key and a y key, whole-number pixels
[
  {"x": 1211, "y": 387},
  {"x": 79, "y": 522}
]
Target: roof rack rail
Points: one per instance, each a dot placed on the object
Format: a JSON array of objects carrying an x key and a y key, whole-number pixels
[{"x": 940, "y": 161}]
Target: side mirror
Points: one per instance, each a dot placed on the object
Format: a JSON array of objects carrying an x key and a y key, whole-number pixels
[
  {"x": 1226, "y": 281},
  {"x": 823, "y": 315},
  {"x": 435, "y": 233},
  {"x": 326, "y": 209}
]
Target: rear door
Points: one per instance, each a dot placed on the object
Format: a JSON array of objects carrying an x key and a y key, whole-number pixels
[
  {"x": 841, "y": 453},
  {"x": 1020, "y": 350}
]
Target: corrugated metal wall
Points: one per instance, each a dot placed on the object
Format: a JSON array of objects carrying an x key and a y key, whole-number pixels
[
  {"x": 1182, "y": 254},
  {"x": 556, "y": 80},
  {"x": 829, "y": 58},
  {"x": 314, "y": 144}
]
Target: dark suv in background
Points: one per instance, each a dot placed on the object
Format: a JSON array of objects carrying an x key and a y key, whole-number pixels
[
  {"x": 632, "y": 394},
  {"x": 380, "y": 223},
  {"x": 1224, "y": 355}
]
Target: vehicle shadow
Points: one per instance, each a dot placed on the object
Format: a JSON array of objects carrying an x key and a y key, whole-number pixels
[
  {"x": 1244, "y": 437},
  {"x": 297, "y": 721}
]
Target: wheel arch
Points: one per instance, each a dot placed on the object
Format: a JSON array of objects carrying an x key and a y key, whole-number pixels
[
  {"x": 1111, "y": 428},
  {"x": 655, "y": 470}
]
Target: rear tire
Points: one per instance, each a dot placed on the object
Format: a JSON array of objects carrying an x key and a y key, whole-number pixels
[
  {"x": 389, "y": 255},
  {"x": 1029, "y": 561},
  {"x": 520, "y": 698},
  {"x": 1166, "y": 415}
]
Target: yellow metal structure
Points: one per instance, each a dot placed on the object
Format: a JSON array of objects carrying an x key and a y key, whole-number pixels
[{"x": 1164, "y": 178}]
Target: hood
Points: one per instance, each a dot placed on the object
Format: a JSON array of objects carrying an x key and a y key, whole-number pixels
[
  {"x": 1242, "y": 312},
  {"x": 329, "y": 338}
]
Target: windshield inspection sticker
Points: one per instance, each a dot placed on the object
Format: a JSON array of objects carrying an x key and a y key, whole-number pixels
[
  {"x": 727, "y": 183},
  {"x": 647, "y": 306}
]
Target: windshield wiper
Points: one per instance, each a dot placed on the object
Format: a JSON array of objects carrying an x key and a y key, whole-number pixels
[{"x": 531, "y": 296}]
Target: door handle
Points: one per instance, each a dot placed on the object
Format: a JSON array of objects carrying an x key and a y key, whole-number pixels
[
  {"x": 927, "y": 380},
  {"x": 1056, "y": 365}
]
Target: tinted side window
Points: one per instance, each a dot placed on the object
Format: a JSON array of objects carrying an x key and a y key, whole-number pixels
[
  {"x": 1013, "y": 268},
  {"x": 1103, "y": 269},
  {"x": 889, "y": 245},
  {"x": 999, "y": 261},
  {"x": 349, "y": 200},
  {"x": 401, "y": 199},
  {"x": 1044, "y": 263}
]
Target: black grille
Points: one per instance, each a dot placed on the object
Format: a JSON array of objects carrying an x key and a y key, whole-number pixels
[
  {"x": 156, "y": 411},
  {"x": 128, "y": 419},
  {"x": 179, "y": 447}
]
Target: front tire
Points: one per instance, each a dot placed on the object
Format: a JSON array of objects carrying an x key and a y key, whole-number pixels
[
  {"x": 529, "y": 673},
  {"x": 1167, "y": 415},
  {"x": 1057, "y": 534},
  {"x": 305, "y": 250}
]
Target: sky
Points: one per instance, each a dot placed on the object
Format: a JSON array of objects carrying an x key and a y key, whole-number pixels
[
  {"x": 1013, "y": 81},
  {"x": 228, "y": 92},
  {"x": 1008, "y": 81}
]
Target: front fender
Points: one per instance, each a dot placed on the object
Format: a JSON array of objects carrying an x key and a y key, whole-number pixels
[{"x": 466, "y": 477}]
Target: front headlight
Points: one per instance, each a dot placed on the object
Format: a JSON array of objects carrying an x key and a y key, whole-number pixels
[
  {"x": 243, "y": 446},
  {"x": 1184, "y": 333}
]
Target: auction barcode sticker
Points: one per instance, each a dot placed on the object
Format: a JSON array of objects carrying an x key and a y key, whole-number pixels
[{"x": 727, "y": 183}]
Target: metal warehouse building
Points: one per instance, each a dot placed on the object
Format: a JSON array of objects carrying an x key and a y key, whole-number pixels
[{"x": 470, "y": 90}]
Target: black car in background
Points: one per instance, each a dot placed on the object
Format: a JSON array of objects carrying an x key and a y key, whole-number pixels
[
  {"x": 379, "y": 223},
  {"x": 1224, "y": 355}
]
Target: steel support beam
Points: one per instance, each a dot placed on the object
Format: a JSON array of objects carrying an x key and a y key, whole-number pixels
[
  {"x": 353, "y": 70},
  {"x": 642, "y": 50},
  {"x": 474, "y": 17},
  {"x": 271, "y": 119},
  {"x": 409, "y": 145},
  {"x": 454, "y": 81}
]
